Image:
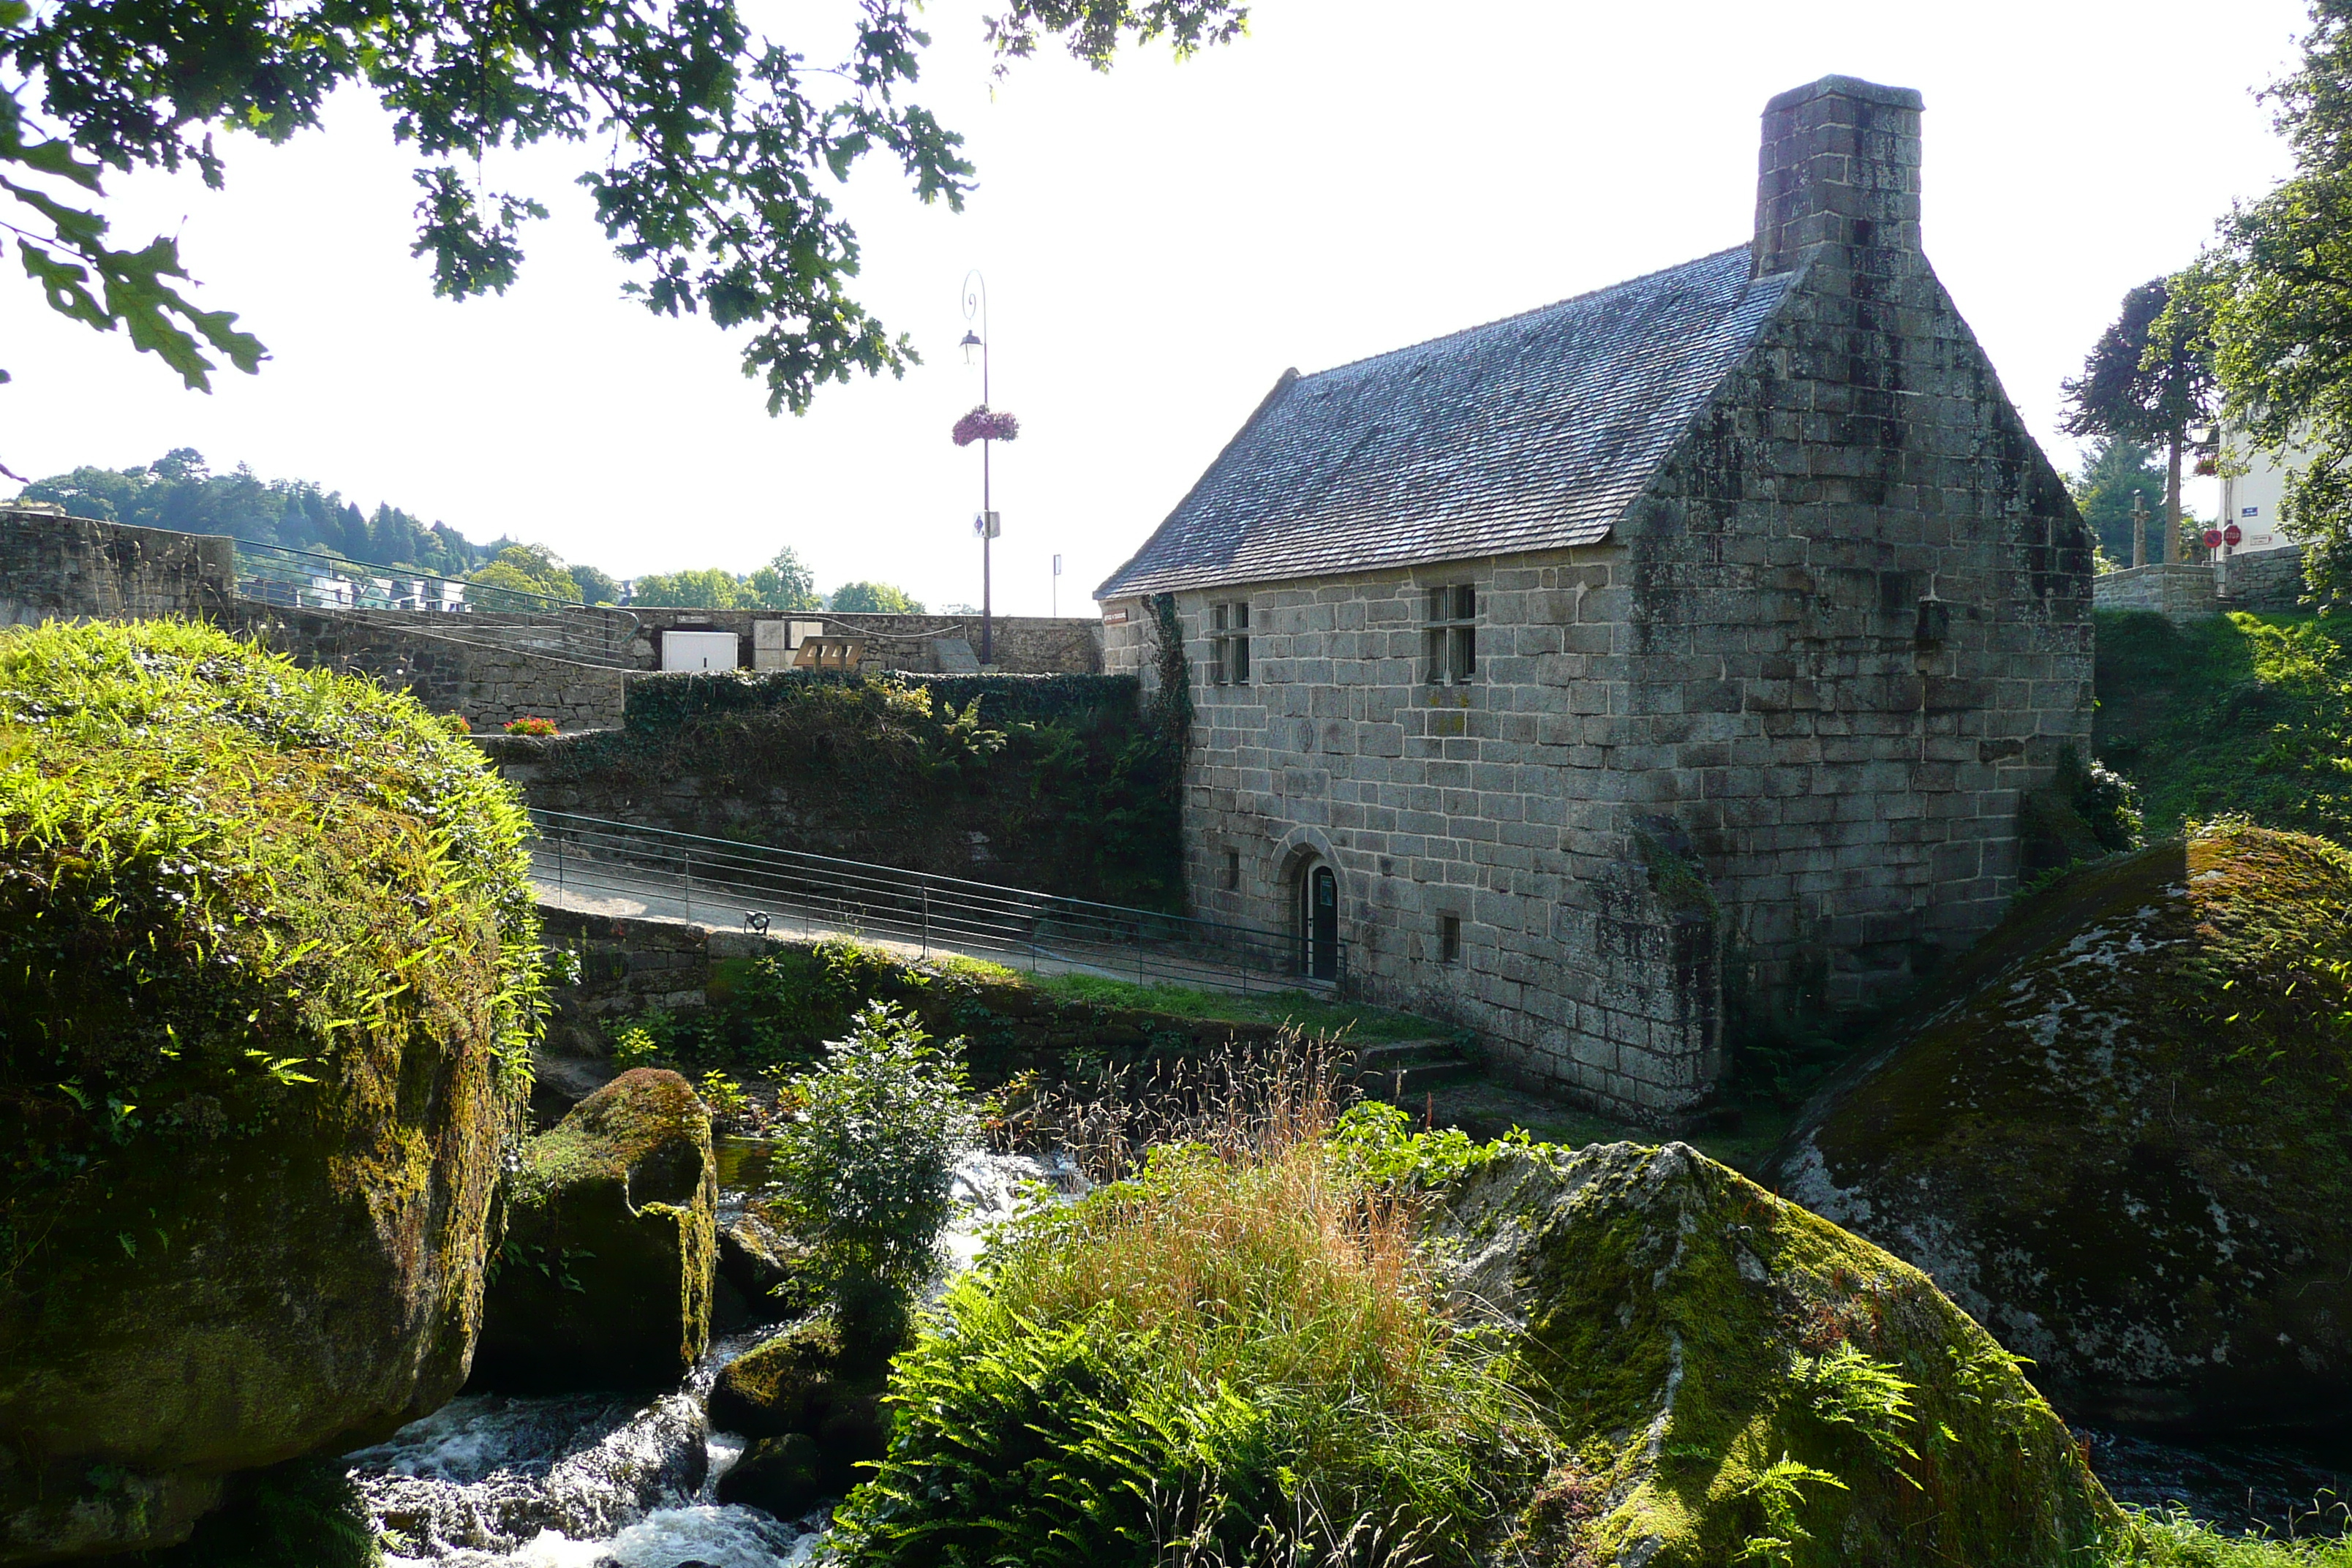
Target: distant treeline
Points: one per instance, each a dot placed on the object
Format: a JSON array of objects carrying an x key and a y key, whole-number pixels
[{"x": 179, "y": 491}]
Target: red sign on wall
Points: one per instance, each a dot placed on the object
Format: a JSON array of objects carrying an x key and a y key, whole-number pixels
[{"x": 2231, "y": 534}]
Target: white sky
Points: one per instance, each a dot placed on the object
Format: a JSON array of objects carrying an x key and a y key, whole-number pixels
[{"x": 1160, "y": 244}]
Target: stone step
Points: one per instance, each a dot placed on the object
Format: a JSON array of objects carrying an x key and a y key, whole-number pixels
[
  {"x": 1383, "y": 1055},
  {"x": 1399, "y": 1084},
  {"x": 1398, "y": 1069}
]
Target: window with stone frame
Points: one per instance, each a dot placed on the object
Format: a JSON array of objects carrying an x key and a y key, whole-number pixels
[
  {"x": 1229, "y": 651},
  {"x": 1449, "y": 634}
]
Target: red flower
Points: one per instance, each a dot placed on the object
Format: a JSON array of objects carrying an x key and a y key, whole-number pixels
[{"x": 983, "y": 424}]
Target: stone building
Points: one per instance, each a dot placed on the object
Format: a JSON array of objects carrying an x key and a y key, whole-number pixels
[{"x": 1691, "y": 637}]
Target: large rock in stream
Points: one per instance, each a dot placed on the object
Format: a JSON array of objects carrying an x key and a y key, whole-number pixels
[
  {"x": 1727, "y": 1371},
  {"x": 266, "y": 947},
  {"x": 2121, "y": 1135},
  {"x": 604, "y": 1277}
]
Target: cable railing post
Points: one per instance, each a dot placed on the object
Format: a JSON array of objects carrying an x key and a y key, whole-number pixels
[
  {"x": 927, "y": 919},
  {"x": 688, "y": 860}
]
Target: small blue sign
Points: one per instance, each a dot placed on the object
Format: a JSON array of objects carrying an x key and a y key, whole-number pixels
[{"x": 2250, "y": 512}]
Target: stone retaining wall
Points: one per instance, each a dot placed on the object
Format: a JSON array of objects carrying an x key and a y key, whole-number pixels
[
  {"x": 486, "y": 685},
  {"x": 2179, "y": 591},
  {"x": 1022, "y": 644},
  {"x": 2270, "y": 580},
  {"x": 54, "y": 567},
  {"x": 630, "y": 965}
]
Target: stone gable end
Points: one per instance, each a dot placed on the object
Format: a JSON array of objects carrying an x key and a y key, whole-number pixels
[{"x": 1760, "y": 748}]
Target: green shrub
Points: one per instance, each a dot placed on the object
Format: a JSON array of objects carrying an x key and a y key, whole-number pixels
[
  {"x": 861, "y": 1170},
  {"x": 1235, "y": 1359}
]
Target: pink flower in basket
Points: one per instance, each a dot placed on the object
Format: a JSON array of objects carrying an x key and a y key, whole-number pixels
[{"x": 985, "y": 424}]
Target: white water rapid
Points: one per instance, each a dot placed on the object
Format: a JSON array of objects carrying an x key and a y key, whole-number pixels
[{"x": 596, "y": 1480}]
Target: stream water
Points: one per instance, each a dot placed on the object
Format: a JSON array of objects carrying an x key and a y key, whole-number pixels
[{"x": 601, "y": 1480}]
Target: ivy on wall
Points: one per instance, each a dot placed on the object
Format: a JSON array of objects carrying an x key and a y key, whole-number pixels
[{"x": 1069, "y": 783}]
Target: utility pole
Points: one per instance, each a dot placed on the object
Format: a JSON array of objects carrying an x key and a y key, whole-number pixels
[
  {"x": 1056, "y": 590},
  {"x": 975, "y": 304},
  {"x": 2139, "y": 528}
]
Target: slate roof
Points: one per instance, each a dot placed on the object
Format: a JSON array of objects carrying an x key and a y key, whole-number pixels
[{"x": 1528, "y": 433}]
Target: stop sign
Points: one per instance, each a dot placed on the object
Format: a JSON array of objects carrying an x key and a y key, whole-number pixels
[
  {"x": 2231, "y": 534},
  {"x": 2212, "y": 539}
]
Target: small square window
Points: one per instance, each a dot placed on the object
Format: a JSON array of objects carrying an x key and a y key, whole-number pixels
[
  {"x": 1229, "y": 652},
  {"x": 1449, "y": 939},
  {"x": 1449, "y": 634},
  {"x": 1233, "y": 870}
]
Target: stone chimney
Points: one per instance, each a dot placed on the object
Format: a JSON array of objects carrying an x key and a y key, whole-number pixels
[{"x": 1840, "y": 166}]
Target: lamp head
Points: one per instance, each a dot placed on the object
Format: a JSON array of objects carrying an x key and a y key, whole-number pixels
[{"x": 971, "y": 342}]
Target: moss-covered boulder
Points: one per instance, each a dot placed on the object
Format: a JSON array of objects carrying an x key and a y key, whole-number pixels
[
  {"x": 2121, "y": 1136},
  {"x": 786, "y": 1476},
  {"x": 267, "y": 960},
  {"x": 769, "y": 1389},
  {"x": 604, "y": 1274},
  {"x": 1733, "y": 1379}
]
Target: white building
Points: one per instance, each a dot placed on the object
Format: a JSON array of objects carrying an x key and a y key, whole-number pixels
[{"x": 2250, "y": 500}]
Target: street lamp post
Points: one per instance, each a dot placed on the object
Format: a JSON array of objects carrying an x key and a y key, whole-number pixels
[{"x": 976, "y": 305}]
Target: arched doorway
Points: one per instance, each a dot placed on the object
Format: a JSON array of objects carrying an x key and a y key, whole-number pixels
[{"x": 1318, "y": 921}]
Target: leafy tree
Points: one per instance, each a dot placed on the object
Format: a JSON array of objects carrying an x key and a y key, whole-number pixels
[
  {"x": 875, "y": 598},
  {"x": 596, "y": 588},
  {"x": 2275, "y": 291},
  {"x": 784, "y": 584},
  {"x": 532, "y": 569},
  {"x": 2148, "y": 377},
  {"x": 709, "y": 588},
  {"x": 714, "y": 150},
  {"x": 2113, "y": 473}
]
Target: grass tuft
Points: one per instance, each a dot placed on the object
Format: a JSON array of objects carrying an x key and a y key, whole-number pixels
[{"x": 1237, "y": 1354}]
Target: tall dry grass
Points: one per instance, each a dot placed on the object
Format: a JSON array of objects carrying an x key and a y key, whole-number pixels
[
  {"x": 1234, "y": 1352},
  {"x": 1237, "y": 1102}
]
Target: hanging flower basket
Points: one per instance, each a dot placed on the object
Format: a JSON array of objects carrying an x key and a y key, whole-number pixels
[
  {"x": 2207, "y": 466},
  {"x": 985, "y": 424}
]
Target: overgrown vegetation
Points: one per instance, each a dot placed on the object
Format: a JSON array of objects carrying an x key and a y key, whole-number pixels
[
  {"x": 231, "y": 890},
  {"x": 1299, "y": 1010},
  {"x": 306, "y": 1513},
  {"x": 2243, "y": 713},
  {"x": 1238, "y": 1354},
  {"x": 2171, "y": 1539},
  {"x": 1058, "y": 775}
]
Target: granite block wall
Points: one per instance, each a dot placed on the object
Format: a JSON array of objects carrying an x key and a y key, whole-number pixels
[
  {"x": 1023, "y": 645},
  {"x": 2268, "y": 580},
  {"x": 486, "y": 684},
  {"x": 54, "y": 567},
  {"x": 2180, "y": 591},
  {"x": 1771, "y": 735}
]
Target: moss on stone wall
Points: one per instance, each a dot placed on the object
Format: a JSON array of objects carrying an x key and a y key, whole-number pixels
[
  {"x": 1057, "y": 782},
  {"x": 2116, "y": 1134},
  {"x": 267, "y": 978}
]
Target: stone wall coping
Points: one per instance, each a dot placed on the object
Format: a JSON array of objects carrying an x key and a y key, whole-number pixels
[{"x": 1847, "y": 86}]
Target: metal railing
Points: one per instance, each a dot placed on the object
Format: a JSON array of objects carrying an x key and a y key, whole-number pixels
[
  {"x": 421, "y": 603},
  {"x": 601, "y": 865}
]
